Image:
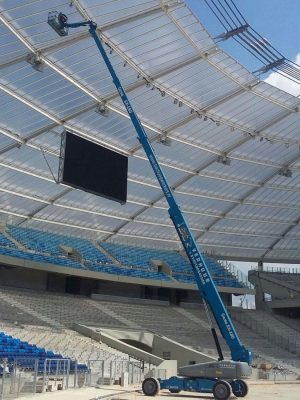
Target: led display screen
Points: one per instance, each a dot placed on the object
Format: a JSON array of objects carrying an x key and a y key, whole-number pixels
[{"x": 93, "y": 168}]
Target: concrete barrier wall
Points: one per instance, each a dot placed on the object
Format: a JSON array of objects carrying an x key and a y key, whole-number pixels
[
  {"x": 167, "y": 348},
  {"x": 132, "y": 300},
  {"x": 117, "y": 344}
]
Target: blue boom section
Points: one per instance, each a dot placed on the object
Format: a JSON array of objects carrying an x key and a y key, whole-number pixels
[{"x": 204, "y": 281}]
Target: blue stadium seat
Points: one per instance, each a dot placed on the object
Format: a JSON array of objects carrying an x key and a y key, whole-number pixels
[
  {"x": 25, "y": 355},
  {"x": 44, "y": 247}
]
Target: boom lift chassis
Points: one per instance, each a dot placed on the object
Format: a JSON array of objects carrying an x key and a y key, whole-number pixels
[{"x": 218, "y": 377}]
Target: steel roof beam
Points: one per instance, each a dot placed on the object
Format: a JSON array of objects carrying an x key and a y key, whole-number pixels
[
  {"x": 277, "y": 119},
  {"x": 98, "y": 99},
  {"x": 201, "y": 53},
  {"x": 194, "y": 44},
  {"x": 188, "y": 177},
  {"x": 50, "y": 202},
  {"x": 251, "y": 192},
  {"x": 282, "y": 237},
  {"x": 119, "y": 111},
  {"x": 153, "y": 78},
  {"x": 53, "y": 201},
  {"x": 222, "y": 99},
  {"x": 127, "y": 235}
]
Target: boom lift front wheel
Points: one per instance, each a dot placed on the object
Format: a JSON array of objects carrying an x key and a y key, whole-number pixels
[
  {"x": 221, "y": 390},
  {"x": 150, "y": 387}
]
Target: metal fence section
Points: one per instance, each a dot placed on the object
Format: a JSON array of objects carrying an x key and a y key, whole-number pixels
[
  {"x": 31, "y": 375},
  {"x": 279, "y": 270},
  {"x": 237, "y": 273},
  {"x": 105, "y": 372}
]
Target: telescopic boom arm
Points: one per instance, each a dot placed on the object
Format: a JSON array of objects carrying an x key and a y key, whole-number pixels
[{"x": 204, "y": 281}]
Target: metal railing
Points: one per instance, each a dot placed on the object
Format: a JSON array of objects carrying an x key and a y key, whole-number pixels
[
  {"x": 240, "y": 276},
  {"x": 28, "y": 375},
  {"x": 280, "y": 270}
]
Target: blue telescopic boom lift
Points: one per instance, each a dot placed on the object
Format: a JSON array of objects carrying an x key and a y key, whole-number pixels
[{"x": 218, "y": 377}]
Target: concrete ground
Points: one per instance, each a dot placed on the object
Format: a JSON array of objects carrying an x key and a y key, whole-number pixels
[
  {"x": 261, "y": 390},
  {"x": 256, "y": 392}
]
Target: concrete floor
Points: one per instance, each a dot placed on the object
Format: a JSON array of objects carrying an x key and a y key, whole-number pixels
[
  {"x": 256, "y": 392},
  {"x": 261, "y": 390}
]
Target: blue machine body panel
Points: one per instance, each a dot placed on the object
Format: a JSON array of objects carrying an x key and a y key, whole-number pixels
[
  {"x": 176, "y": 383},
  {"x": 201, "y": 385}
]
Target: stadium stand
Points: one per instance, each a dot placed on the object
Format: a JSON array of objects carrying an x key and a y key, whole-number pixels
[
  {"x": 66, "y": 342},
  {"x": 183, "y": 324},
  {"x": 12, "y": 348},
  {"x": 266, "y": 325},
  {"x": 289, "y": 321},
  {"x": 280, "y": 285},
  {"x": 45, "y": 242},
  {"x": 131, "y": 272},
  {"x": 5, "y": 242},
  {"x": 114, "y": 259}
]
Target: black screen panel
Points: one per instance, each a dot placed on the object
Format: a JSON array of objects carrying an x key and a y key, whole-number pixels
[{"x": 93, "y": 168}]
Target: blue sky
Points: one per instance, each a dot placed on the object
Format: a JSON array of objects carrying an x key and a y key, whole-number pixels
[{"x": 275, "y": 20}]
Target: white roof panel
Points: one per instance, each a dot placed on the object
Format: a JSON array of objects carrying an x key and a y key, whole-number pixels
[{"x": 233, "y": 156}]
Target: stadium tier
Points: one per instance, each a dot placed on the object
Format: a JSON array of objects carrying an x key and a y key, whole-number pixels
[
  {"x": 45, "y": 242},
  {"x": 13, "y": 349},
  {"x": 110, "y": 258}
]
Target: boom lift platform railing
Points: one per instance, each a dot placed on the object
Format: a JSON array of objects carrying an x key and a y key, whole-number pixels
[{"x": 217, "y": 377}]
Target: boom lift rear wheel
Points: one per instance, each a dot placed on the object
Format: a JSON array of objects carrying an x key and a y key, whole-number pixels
[
  {"x": 243, "y": 388},
  {"x": 221, "y": 390},
  {"x": 150, "y": 387}
]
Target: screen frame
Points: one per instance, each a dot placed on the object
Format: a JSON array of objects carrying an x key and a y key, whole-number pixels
[{"x": 61, "y": 168}]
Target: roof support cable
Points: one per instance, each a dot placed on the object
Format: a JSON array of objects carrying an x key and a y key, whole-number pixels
[
  {"x": 258, "y": 53},
  {"x": 48, "y": 165},
  {"x": 236, "y": 38},
  {"x": 261, "y": 46},
  {"x": 227, "y": 15},
  {"x": 267, "y": 68},
  {"x": 233, "y": 32},
  {"x": 241, "y": 19},
  {"x": 216, "y": 15},
  {"x": 238, "y": 28},
  {"x": 287, "y": 68}
]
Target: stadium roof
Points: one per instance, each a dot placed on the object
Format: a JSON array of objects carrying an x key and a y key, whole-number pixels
[{"x": 233, "y": 157}]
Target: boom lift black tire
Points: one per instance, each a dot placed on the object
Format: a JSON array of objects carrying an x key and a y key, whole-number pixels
[
  {"x": 174, "y": 390},
  {"x": 222, "y": 390},
  {"x": 244, "y": 388},
  {"x": 150, "y": 387}
]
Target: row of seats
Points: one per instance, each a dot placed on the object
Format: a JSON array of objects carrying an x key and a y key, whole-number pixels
[
  {"x": 131, "y": 272},
  {"x": 45, "y": 247},
  {"x": 46, "y": 242},
  {"x": 27, "y": 356},
  {"x": 5, "y": 242},
  {"x": 141, "y": 257},
  {"x": 43, "y": 258},
  {"x": 129, "y": 255},
  {"x": 219, "y": 281}
]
